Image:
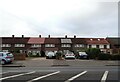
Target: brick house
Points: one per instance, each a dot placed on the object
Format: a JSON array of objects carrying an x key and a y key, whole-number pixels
[
  {"x": 100, "y": 43},
  {"x": 45, "y": 44},
  {"x": 78, "y": 44},
  {"x": 17, "y": 44},
  {"x": 35, "y": 45},
  {"x": 51, "y": 44},
  {"x": 114, "y": 44}
]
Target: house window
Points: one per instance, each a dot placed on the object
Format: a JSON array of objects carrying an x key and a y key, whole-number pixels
[
  {"x": 6, "y": 45},
  {"x": 19, "y": 45},
  {"x": 49, "y": 45},
  {"x": 105, "y": 46},
  {"x": 65, "y": 45},
  {"x": 90, "y": 46},
  {"x": 97, "y": 46},
  {"x": 79, "y": 45},
  {"x": 36, "y": 45}
]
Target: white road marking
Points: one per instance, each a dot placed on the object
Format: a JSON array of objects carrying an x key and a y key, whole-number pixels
[
  {"x": 16, "y": 75},
  {"x": 76, "y": 76},
  {"x": 104, "y": 76},
  {"x": 43, "y": 76}
]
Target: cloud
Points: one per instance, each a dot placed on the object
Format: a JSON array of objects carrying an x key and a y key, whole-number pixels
[{"x": 58, "y": 17}]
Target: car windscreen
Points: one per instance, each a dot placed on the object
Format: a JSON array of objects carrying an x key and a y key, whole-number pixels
[{"x": 9, "y": 54}]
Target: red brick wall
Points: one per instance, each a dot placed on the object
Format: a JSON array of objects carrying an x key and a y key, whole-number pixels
[{"x": 19, "y": 56}]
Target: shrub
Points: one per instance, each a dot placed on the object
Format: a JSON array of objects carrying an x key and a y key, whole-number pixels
[
  {"x": 115, "y": 57},
  {"x": 58, "y": 55},
  {"x": 104, "y": 56},
  {"x": 93, "y": 52},
  {"x": 16, "y": 51}
]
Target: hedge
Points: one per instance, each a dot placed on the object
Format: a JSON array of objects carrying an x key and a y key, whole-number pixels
[
  {"x": 103, "y": 56},
  {"x": 115, "y": 57}
]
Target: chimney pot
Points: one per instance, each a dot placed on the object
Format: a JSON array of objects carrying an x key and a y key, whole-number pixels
[
  {"x": 65, "y": 36},
  {"x": 74, "y": 36},
  {"x": 39, "y": 36},
  {"x": 13, "y": 36},
  {"x": 48, "y": 36},
  {"x": 22, "y": 36}
]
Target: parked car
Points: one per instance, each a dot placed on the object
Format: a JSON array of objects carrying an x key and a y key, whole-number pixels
[
  {"x": 50, "y": 55},
  {"x": 6, "y": 57},
  {"x": 83, "y": 55},
  {"x": 69, "y": 55}
]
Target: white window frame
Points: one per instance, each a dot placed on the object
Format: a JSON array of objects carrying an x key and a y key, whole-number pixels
[
  {"x": 36, "y": 45},
  {"x": 5, "y": 45},
  {"x": 19, "y": 45},
  {"x": 49, "y": 45},
  {"x": 65, "y": 45},
  {"x": 79, "y": 45}
]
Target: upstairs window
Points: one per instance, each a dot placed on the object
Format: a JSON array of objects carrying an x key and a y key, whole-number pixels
[
  {"x": 79, "y": 45},
  {"x": 90, "y": 46},
  {"x": 19, "y": 45},
  {"x": 65, "y": 45},
  {"x": 49, "y": 45},
  {"x": 36, "y": 45},
  {"x": 105, "y": 46},
  {"x": 5, "y": 45},
  {"x": 97, "y": 46}
]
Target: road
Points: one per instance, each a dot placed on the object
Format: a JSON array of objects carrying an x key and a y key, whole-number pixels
[{"x": 83, "y": 73}]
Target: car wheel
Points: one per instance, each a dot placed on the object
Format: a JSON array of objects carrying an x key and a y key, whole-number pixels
[
  {"x": 3, "y": 62},
  {"x": 46, "y": 57}
]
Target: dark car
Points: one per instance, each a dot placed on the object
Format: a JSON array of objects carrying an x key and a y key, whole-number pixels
[{"x": 83, "y": 55}]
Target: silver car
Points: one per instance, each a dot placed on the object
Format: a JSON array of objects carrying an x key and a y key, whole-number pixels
[
  {"x": 69, "y": 55},
  {"x": 6, "y": 57}
]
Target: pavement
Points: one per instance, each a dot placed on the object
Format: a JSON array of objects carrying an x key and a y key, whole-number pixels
[{"x": 43, "y": 62}]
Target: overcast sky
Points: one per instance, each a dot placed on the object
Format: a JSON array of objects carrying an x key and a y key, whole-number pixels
[{"x": 84, "y": 18}]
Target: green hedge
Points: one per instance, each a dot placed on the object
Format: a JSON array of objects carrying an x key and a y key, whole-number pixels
[
  {"x": 103, "y": 56},
  {"x": 93, "y": 52},
  {"x": 58, "y": 55},
  {"x": 115, "y": 57}
]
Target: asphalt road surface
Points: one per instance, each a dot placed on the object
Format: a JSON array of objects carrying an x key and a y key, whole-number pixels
[{"x": 83, "y": 73}]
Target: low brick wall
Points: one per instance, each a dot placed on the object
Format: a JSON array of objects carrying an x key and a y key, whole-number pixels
[{"x": 19, "y": 56}]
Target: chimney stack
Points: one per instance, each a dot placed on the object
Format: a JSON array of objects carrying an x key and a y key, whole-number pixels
[
  {"x": 22, "y": 36},
  {"x": 74, "y": 36},
  {"x": 13, "y": 36},
  {"x": 48, "y": 36},
  {"x": 65, "y": 36},
  {"x": 39, "y": 36}
]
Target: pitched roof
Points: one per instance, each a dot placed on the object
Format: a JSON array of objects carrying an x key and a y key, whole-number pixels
[
  {"x": 78, "y": 41},
  {"x": 36, "y": 40},
  {"x": 52, "y": 41},
  {"x": 66, "y": 41},
  {"x": 114, "y": 40},
  {"x": 96, "y": 41},
  {"x": 10, "y": 40},
  {"x": 7, "y": 40}
]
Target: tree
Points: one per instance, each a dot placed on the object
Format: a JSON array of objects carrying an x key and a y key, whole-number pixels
[
  {"x": 93, "y": 52},
  {"x": 58, "y": 55}
]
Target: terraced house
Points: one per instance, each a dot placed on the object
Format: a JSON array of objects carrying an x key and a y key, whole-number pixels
[{"x": 41, "y": 45}]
